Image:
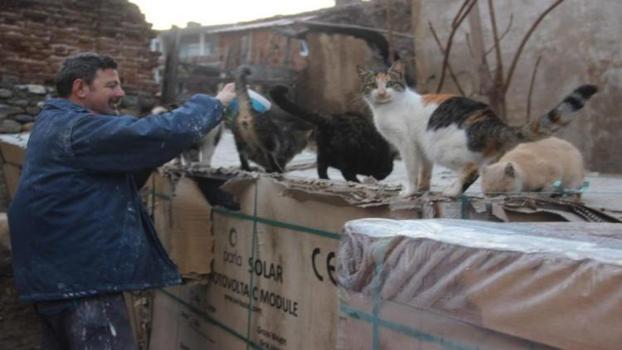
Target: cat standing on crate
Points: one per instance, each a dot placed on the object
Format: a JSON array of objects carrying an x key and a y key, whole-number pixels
[
  {"x": 453, "y": 131},
  {"x": 270, "y": 138},
  {"x": 346, "y": 141}
]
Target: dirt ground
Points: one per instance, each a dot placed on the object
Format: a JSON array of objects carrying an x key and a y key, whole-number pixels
[{"x": 19, "y": 326}]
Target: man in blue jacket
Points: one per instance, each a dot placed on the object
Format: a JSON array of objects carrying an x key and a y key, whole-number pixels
[{"x": 79, "y": 233}]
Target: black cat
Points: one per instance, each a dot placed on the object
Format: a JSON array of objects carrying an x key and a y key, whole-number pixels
[
  {"x": 270, "y": 139},
  {"x": 348, "y": 141}
]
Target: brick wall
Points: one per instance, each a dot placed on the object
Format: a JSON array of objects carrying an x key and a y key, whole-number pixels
[{"x": 37, "y": 35}]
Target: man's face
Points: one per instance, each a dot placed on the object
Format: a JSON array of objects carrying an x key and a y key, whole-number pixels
[{"x": 104, "y": 93}]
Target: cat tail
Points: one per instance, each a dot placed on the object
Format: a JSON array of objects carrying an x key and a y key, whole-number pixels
[
  {"x": 241, "y": 90},
  {"x": 278, "y": 94},
  {"x": 558, "y": 117}
]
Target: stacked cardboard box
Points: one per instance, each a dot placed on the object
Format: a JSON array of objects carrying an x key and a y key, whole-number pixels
[
  {"x": 13, "y": 152},
  {"x": 271, "y": 282},
  {"x": 266, "y": 273}
]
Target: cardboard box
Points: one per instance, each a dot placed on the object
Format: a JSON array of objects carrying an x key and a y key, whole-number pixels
[
  {"x": 272, "y": 267},
  {"x": 439, "y": 284},
  {"x": 11, "y": 174},
  {"x": 13, "y": 152},
  {"x": 182, "y": 221},
  {"x": 4, "y": 231},
  {"x": 13, "y": 148}
]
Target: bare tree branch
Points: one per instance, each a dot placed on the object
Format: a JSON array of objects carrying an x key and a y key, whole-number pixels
[
  {"x": 476, "y": 40},
  {"x": 467, "y": 39},
  {"x": 420, "y": 35},
  {"x": 454, "y": 22},
  {"x": 389, "y": 21},
  {"x": 508, "y": 80},
  {"x": 466, "y": 7},
  {"x": 531, "y": 83},
  {"x": 505, "y": 32},
  {"x": 451, "y": 71},
  {"x": 497, "y": 45}
]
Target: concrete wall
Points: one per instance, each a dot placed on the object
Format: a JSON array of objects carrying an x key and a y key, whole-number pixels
[{"x": 579, "y": 42}]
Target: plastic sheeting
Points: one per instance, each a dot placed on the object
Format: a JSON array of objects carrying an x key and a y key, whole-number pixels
[{"x": 452, "y": 284}]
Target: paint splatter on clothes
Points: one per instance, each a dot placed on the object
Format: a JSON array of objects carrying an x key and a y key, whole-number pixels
[{"x": 96, "y": 323}]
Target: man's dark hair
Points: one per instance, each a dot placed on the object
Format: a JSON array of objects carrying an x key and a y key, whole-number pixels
[{"x": 81, "y": 66}]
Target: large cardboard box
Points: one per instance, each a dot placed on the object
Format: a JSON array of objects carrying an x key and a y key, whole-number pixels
[
  {"x": 184, "y": 217},
  {"x": 448, "y": 284},
  {"x": 182, "y": 220},
  {"x": 12, "y": 152},
  {"x": 268, "y": 270},
  {"x": 272, "y": 269},
  {"x": 13, "y": 148}
]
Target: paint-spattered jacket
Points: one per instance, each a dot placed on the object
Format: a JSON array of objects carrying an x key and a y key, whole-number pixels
[{"x": 78, "y": 227}]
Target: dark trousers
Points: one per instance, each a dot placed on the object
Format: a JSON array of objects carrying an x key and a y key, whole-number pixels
[{"x": 95, "y": 323}]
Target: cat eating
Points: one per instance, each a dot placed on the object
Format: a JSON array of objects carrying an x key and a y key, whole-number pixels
[
  {"x": 453, "y": 131},
  {"x": 535, "y": 167},
  {"x": 347, "y": 141}
]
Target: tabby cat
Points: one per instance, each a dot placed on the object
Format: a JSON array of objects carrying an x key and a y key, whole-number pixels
[
  {"x": 453, "y": 131},
  {"x": 347, "y": 141},
  {"x": 534, "y": 167},
  {"x": 270, "y": 139}
]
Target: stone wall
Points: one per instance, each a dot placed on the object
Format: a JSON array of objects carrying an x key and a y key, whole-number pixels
[
  {"x": 20, "y": 104},
  {"x": 37, "y": 35}
]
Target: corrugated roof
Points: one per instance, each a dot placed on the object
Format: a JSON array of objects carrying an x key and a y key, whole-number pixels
[{"x": 264, "y": 24}]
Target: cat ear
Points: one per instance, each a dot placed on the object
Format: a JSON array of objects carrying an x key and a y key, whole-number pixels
[
  {"x": 509, "y": 170},
  {"x": 397, "y": 67}
]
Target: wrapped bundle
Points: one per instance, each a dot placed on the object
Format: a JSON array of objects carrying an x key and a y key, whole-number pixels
[{"x": 452, "y": 284}]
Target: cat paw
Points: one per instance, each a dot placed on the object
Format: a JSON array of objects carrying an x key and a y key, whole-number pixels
[
  {"x": 407, "y": 192},
  {"x": 453, "y": 191}
]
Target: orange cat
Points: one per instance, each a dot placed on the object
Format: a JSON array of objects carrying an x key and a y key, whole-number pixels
[{"x": 534, "y": 167}]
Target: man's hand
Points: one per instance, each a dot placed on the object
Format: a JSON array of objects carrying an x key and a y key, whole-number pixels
[{"x": 226, "y": 94}]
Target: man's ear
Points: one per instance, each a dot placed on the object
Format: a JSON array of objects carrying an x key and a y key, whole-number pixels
[{"x": 79, "y": 88}]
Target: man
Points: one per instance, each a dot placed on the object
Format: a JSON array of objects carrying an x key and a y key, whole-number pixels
[{"x": 79, "y": 233}]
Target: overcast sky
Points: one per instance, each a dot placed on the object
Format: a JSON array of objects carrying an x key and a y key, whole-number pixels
[{"x": 164, "y": 13}]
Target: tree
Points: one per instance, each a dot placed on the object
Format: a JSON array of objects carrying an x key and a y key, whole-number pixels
[{"x": 495, "y": 81}]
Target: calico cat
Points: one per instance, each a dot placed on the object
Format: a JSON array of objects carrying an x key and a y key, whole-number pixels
[
  {"x": 534, "y": 167},
  {"x": 453, "y": 131},
  {"x": 348, "y": 141},
  {"x": 270, "y": 139},
  {"x": 201, "y": 152}
]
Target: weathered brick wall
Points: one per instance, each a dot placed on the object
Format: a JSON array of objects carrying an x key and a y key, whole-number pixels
[{"x": 37, "y": 35}]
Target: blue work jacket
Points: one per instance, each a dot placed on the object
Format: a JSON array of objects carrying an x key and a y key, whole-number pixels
[{"x": 78, "y": 226}]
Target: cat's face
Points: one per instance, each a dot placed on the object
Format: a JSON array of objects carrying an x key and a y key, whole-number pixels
[
  {"x": 500, "y": 178},
  {"x": 382, "y": 87}
]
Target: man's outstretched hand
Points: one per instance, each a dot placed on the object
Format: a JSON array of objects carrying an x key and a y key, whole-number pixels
[{"x": 226, "y": 94}]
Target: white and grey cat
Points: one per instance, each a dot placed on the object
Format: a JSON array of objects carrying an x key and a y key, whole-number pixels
[
  {"x": 202, "y": 152},
  {"x": 535, "y": 167},
  {"x": 454, "y": 131}
]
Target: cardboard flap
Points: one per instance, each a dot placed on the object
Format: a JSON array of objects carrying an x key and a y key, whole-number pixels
[{"x": 13, "y": 148}]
